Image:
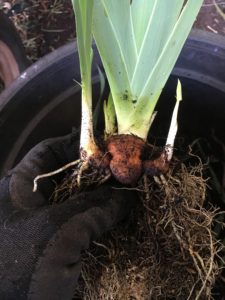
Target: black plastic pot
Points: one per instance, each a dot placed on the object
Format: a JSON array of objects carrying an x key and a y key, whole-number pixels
[{"x": 45, "y": 100}]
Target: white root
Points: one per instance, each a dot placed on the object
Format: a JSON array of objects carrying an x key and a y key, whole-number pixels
[
  {"x": 73, "y": 163},
  {"x": 83, "y": 168}
]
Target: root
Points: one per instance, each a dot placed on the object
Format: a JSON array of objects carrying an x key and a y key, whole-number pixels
[
  {"x": 192, "y": 227},
  {"x": 49, "y": 174},
  {"x": 104, "y": 178},
  {"x": 81, "y": 170},
  {"x": 84, "y": 176},
  {"x": 94, "y": 170},
  {"x": 166, "y": 249}
]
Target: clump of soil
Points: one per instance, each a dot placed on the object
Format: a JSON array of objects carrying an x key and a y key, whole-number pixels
[{"x": 165, "y": 250}]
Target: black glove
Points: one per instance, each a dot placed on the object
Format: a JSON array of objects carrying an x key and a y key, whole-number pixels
[{"x": 41, "y": 244}]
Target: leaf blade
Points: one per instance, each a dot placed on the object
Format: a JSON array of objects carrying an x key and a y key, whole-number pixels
[{"x": 136, "y": 89}]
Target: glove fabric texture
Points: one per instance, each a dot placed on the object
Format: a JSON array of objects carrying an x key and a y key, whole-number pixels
[{"x": 41, "y": 243}]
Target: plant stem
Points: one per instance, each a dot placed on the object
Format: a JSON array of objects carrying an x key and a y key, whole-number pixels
[{"x": 87, "y": 143}]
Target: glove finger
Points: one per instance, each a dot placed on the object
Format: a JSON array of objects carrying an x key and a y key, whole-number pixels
[
  {"x": 58, "y": 269},
  {"x": 47, "y": 156}
]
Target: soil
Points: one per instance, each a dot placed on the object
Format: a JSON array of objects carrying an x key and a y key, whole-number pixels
[
  {"x": 166, "y": 249},
  {"x": 45, "y": 25},
  {"x": 211, "y": 17}
]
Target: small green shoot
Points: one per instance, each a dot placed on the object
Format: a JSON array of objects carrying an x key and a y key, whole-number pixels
[
  {"x": 110, "y": 116},
  {"x": 173, "y": 125}
]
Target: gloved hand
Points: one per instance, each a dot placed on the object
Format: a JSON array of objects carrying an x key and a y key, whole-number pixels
[{"x": 41, "y": 244}]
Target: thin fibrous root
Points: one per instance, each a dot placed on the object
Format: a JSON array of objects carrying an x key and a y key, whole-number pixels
[
  {"x": 73, "y": 163},
  {"x": 104, "y": 179},
  {"x": 84, "y": 167}
]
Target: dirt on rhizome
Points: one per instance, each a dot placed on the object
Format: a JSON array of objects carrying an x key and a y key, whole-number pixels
[{"x": 166, "y": 248}]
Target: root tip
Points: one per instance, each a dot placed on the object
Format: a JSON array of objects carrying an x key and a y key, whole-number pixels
[{"x": 35, "y": 185}]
